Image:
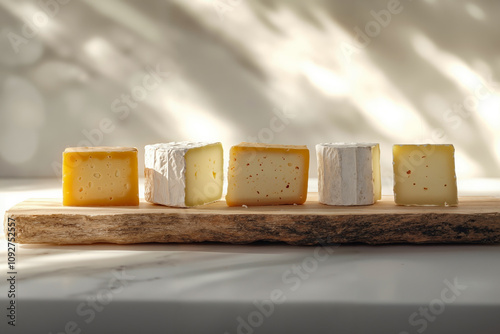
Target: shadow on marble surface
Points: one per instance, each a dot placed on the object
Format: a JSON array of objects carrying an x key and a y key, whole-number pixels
[{"x": 255, "y": 248}]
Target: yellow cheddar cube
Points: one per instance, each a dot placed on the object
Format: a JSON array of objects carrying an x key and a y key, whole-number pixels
[
  {"x": 261, "y": 174},
  {"x": 100, "y": 176},
  {"x": 425, "y": 175}
]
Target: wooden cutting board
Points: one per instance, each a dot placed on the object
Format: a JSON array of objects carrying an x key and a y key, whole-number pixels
[{"x": 41, "y": 221}]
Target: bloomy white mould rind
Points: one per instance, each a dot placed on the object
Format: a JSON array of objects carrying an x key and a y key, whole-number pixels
[
  {"x": 345, "y": 173},
  {"x": 165, "y": 172}
]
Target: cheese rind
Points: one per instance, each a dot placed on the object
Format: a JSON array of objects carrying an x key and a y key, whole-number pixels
[
  {"x": 349, "y": 173},
  {"x": 261, "y": 174},
  {"x": 100, "y": 176},
  {"x": 425, "y": 175},
  {"x": 183, "y": 174}
]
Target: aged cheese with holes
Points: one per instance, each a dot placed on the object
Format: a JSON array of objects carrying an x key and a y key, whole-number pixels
[
  {"x": 348, "y": 173},
  {"x": 183, "y": 174},
  {"x": 261, "y": 174},
  {"x": 100, "y": 176},
  {"x": 425, "y": 175}
]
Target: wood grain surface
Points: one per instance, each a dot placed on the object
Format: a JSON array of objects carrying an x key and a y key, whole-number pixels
[{"x": 41, "y": 221}]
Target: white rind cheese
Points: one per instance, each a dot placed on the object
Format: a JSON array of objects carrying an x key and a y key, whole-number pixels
[
  {"x": 348, "y": 173},
  {"x": 168, "y": 171}
]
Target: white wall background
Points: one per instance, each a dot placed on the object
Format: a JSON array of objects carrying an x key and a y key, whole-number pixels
[{"x": 290, "y": 72}]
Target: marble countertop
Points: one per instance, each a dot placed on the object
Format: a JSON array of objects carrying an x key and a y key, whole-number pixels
[{"x": 261, "y": 288}]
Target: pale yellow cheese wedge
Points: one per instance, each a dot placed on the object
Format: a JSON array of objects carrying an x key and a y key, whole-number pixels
[
  {"x": 425, "y": 175},
  {"x": 261, "y": 174}
]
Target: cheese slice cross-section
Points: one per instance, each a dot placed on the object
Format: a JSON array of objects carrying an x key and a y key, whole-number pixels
[
  {"x": 262, "y": 174},
  {"x": 183, "y": 174},
  {"x": 100, "y": 176}
]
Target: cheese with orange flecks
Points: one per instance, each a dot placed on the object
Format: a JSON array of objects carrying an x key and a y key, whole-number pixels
[
  {"x": 263, "y": 174},
  {"x": 100, "y": 176},
  {"x": 425, "y": 175}
]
